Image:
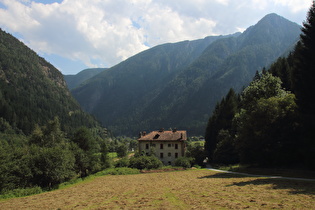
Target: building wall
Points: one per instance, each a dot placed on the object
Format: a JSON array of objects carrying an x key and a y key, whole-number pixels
[{"x": 167, "y": 153}]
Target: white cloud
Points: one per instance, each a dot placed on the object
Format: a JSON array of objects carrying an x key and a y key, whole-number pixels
[
  {"x": 107, "y": 32},
  {"x": 295, "y": 5}
]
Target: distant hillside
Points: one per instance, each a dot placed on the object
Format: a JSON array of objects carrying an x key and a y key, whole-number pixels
[
  {"x": 178, "y": 85},
  {"x": 74, "y": 81},
  {"x": 32, "y": 91}
]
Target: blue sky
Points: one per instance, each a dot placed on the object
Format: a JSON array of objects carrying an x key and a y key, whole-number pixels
[{"x": 78, "y": 34}]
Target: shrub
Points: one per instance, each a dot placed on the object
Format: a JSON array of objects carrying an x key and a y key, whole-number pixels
[
  {"x": 123, "y": 162},
  {"x": 21, "y": 192},
  {"x": 148, "y": 162},
  {"x": 184, "y": 162}
]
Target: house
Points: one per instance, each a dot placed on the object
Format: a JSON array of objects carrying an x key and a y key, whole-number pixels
[{"x": 166, "y": 145}]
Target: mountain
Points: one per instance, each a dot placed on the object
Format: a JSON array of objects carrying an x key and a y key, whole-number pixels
[
  {"x": 32, "y": 91},
  {"x": 74, "y": 81},
  {"x": 178, "y": 85}
]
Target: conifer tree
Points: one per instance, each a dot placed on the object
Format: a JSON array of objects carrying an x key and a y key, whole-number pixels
[
  {"x": 303, "y": 77},
  {"x": 220, "y": 119}
]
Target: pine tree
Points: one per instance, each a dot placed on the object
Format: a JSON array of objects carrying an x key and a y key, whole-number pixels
[
  {"x": 220, "y": 119},
  {"x": 303, "y": 76},
  {"x": 304, "y": 69}
]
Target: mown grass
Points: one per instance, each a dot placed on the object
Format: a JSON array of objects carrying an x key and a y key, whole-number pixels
[
  {"x": 37, "y": 190},
  {"x": 199, "y": 189},
  {"x": 285, "y": 172}
]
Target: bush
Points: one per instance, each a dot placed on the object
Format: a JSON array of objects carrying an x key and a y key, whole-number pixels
[
  {"x": 148, "y": 162},
  {"x": 124, "y": 162},
  {"x": 184, "y": 162},
  {"x": 21, "y": 192}
]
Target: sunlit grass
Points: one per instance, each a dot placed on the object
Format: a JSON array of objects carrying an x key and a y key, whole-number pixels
[{"x": 200, "y": 189}]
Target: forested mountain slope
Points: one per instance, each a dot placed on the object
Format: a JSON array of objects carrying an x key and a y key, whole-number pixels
[
  {"x": 32, "y": 91},
  {"x": 178, "y": 85},
  {"x": 74, "y": 81}
]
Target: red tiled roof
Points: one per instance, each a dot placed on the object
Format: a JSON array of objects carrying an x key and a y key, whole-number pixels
[{"x": 164, "y": 136}]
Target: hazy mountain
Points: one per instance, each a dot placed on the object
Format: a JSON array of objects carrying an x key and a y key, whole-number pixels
[
  {"x": 74, "y": 81},
  {"x": 32, "y": 91},
  {"x": 178, "y": 85}
]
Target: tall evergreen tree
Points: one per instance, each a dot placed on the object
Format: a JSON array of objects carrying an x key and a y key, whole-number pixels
[
  {"x": 303, "y": 83},
  {"x": 220, "y": 119}
]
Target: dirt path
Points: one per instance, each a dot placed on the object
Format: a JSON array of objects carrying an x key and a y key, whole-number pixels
[{"x": 263, "y": 176}]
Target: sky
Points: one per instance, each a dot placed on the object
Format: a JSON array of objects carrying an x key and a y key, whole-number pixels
[{"x": 77, "y": 34}]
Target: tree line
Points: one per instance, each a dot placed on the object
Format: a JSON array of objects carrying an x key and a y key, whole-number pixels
[
  {"x": 271, "y": 122},
  {"x": 48, "y": 156}
]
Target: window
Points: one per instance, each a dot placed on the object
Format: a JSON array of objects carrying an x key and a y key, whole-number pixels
[
  {"x": 169, "y": 145},
  {"x": 176, "y": 155},
  {"x": 161, "y": 155},
  {"x": 176, "y": 146},
  {"x": 161, "y": 146},
  {"x": 169, "y": 154},
  {"x": 147, "y": 146}
]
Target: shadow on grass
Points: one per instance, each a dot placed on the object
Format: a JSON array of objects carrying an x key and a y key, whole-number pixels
[{"x": 294, "y": 186}]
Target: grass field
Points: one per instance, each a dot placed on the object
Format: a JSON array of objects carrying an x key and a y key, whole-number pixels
[{"x": 192, "y": 189}]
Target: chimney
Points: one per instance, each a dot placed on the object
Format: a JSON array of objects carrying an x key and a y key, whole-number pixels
[{"x": 143, "y": 133}]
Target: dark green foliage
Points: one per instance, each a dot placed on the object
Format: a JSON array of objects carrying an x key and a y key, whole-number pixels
[
  {"x": 51, "y": 165},
  {"x": 32, "y": 91},
  {"x": 221, "y": 119},
  {"x": 123, "y": 162},
  {"x": 196, "y": 152},
  {"x": 303, "y": 77},
  {"x": 267, "y": 132},
  {"x": 273, "y": 127},
  {"x": 263, "y": 130},
  {"x": 282, "y": 68},
  {"x": 47, "y": 158},
  {"x": 121, "y": 150},
  {"x": 175, "y": 85},
  {"x": 83, "y": 138},
  {"x": 145, "y": 162},
  {"x": 225, "y": 150},
  {"x": 185, "y": 162},
  {"x": 21, "y": 192}
]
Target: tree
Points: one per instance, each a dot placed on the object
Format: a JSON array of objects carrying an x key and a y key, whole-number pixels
[
  {"x": 266, "y": 124},
  {"x": 83, "y": 138},
  {"x": 225, "y": 152},
  {"x": 145, "y": 162},
  {"x": 51, "y": 165},
  {"x": 121, "y": 150},
  {"x": 303, "y": 84},
  {"x": 221, "y": 119},
  {"x": 196, "y": 152}
]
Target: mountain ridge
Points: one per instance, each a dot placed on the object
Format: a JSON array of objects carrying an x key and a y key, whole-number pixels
[
  {"x": 187, "y": 96},
  {"x": 32, "y": 91}
]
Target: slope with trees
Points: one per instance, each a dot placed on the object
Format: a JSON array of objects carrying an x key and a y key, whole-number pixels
[
  {"x": 273, "y": 124},
  {"x": 32, "y": 91},
  {"x": 45, "y": 137},
  {"x": 175, "y": 85},
  {"x": 74, "y": 81}
]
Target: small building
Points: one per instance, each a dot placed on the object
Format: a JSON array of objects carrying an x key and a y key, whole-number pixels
[{"x": 166, "y": 145}]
